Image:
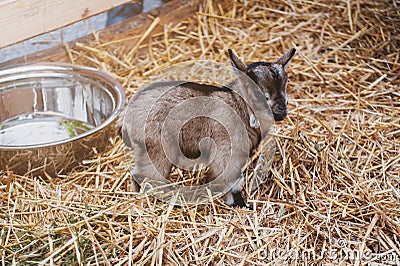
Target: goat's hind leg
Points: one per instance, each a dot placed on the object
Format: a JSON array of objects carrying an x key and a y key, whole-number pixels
[{"x": 154, "y": 170}]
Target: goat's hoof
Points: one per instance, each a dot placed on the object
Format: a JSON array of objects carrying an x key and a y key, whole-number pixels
[
  {"x": 238, "y": 201},
  {"x": 249, "y": 207}
]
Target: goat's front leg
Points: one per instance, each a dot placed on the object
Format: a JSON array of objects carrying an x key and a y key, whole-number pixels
[{"x": 234, "y": 197}]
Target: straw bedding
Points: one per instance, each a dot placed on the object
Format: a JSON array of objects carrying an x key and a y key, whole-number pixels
[{"x": 332, "y": 195}]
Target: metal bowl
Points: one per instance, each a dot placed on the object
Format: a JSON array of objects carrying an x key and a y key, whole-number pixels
[{"x": 53, "y": 116}]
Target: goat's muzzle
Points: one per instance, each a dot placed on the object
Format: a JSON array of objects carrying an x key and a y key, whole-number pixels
[
  {"x": 279, "y": 110},
  {"x": 280, "y": 116}
]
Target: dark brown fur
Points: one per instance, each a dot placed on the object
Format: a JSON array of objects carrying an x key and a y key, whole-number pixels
[{"x": 151, "y": 106}]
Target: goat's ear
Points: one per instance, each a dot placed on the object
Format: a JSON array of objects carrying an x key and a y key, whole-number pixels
[
  {"x": 235, "y": 61},
  {"x": 284, "y": 60}
]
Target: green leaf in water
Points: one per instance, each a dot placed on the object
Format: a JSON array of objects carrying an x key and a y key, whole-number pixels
[{"x": 75, "y": 127}]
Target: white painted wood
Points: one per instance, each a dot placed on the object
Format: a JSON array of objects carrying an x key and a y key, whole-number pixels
[{"x": 23, "y": 19}]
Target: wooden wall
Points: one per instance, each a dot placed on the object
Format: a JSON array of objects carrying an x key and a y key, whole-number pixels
[{"x": 24, "y": 19}]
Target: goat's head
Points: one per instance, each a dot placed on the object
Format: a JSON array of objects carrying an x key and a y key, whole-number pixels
[{"x": 271, "y": 79}]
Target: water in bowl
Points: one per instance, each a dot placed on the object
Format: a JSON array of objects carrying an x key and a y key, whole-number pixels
[{"x": 34, "y": 129}]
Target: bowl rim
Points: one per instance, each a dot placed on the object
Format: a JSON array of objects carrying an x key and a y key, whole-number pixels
[{"x": 115, "y": 86}]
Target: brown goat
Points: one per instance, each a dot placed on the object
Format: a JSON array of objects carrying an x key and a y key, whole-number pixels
[{"x": 185, "y": 123}]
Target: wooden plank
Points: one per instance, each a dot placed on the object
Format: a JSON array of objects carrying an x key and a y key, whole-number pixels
[
  {"x": 24, "y": 19},
  {"x": 171, "y": 12}
]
